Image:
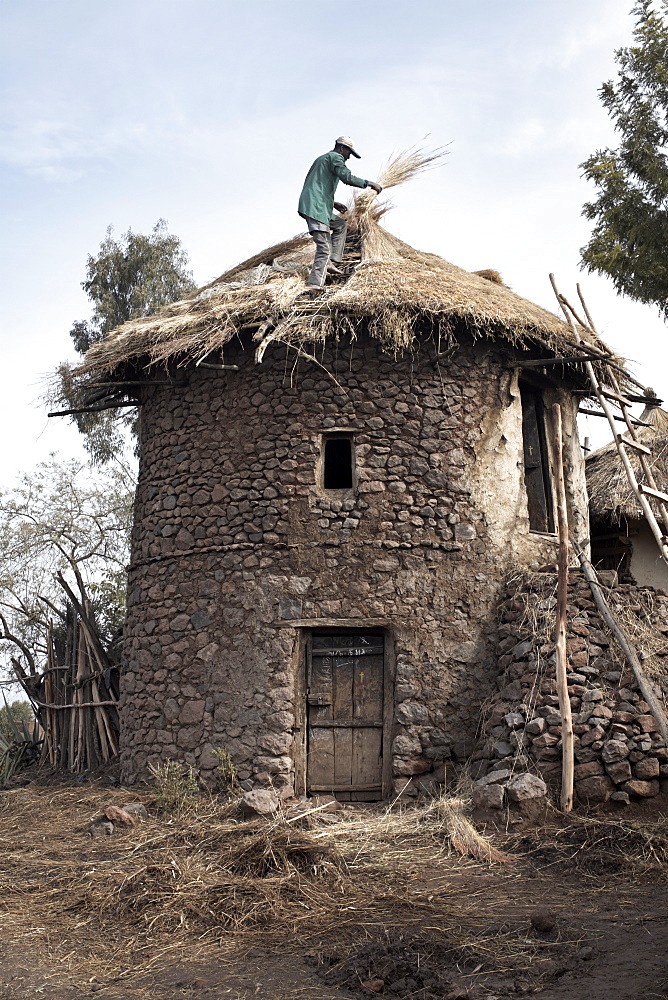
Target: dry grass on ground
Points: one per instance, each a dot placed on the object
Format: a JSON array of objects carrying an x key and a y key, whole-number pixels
[{"x": 111, "y": 910}]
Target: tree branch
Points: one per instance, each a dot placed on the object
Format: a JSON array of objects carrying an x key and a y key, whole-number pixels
[{"x": 17, "y": 642}]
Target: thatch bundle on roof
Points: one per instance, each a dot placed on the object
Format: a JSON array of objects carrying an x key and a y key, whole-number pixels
[
  {"x": 393, "y": 293},
  {"x": 610, "y": 495}
]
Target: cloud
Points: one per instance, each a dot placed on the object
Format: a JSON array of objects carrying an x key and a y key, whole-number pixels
[
  {"x": 55, "y": 140},
  {"x": 51, "y": 148}
]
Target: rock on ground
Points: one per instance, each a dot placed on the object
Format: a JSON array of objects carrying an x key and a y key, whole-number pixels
[
  {"x": 136, "y": 810},
  {"x": 526, "y": 786},
  {"x": 118, "y": 816},
  {"x": 101, "y": 828},
  {"x": 259, "y": 802},
  {"x": 643, "y": 789},
  {"x": 543, "y": 920},
  {"x": 597, "y": 788},
  {"x": 488, "y": 796}
]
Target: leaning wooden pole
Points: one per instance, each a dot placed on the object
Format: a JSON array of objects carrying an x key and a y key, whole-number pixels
[
  {"x": 602, "y": 395},
  {"x": 627, "y": 646},
  {"x": 567, "y": 740}
]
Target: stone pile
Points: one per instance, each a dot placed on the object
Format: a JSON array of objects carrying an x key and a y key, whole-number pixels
[
  {"x": 619, "y": 753},
  {"x": 502, "y": 787}
]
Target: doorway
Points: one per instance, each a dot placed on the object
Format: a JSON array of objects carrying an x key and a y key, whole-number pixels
[{"x": 345, "y": 686}]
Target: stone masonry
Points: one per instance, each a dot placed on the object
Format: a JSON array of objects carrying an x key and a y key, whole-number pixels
[
  {"x": 619, "y": 753},
  {"x": 237, "y": 550}
]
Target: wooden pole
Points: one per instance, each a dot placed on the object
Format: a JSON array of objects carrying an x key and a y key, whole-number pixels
[
  {"x": 567, "y": 741},
  {"x": 94, "y": 409},
  {"x": 88, "y": 715},
  {"x": 77, "y": 762},
  {"x": 64, "y": 688},
  {"x": 56, "y": 706},
  {"x": 70, "y": 693},
  {"x": 627, "y": 646},
  {"x": 50, "y": 721},
  {"x": 80, "y": 607}
]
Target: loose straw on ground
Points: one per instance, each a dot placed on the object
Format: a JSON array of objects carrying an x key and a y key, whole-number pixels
[{"x": 464, "y": 837}]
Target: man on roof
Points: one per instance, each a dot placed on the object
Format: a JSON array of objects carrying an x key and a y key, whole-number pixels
[{"x": 316, "y": 205}]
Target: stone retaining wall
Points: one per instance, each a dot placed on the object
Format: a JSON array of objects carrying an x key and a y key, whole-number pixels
[{"x": 619, "y": 754}]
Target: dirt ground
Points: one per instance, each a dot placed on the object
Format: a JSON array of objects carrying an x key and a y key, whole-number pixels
[{"x": 358, "y": 903}]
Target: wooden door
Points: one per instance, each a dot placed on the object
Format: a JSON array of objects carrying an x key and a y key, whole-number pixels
[
  {"x": 345, "y": 716},
  {"x": 536, "y": 465}
]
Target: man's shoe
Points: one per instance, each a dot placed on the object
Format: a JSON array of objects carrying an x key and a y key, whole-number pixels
[
  {"x": 333, "y": 269},
  {"x": 312, "y": 290}
]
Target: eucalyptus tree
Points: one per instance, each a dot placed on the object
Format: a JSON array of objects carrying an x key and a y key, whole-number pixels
[{"x": 130, "y": 277}]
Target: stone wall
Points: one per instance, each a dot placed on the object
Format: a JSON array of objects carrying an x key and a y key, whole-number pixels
[
  {"x": 237, "y": 550},
  {"x": 619, "y": 753}
]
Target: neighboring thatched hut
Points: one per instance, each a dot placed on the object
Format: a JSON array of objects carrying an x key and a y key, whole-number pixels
[
  {"x": 321, "y": 539},
  {"x": 620, "y": 536}
]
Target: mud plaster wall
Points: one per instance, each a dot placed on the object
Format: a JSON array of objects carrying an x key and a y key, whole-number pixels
[
  {"x": 647, "y": 567},
  {"x": 235, "y": 548}
]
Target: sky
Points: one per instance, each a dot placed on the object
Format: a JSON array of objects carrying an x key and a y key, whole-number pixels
[{"x": 208, "y": 113}]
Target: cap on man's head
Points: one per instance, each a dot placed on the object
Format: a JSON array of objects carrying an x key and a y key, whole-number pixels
[{"x": 345, "y": 140}]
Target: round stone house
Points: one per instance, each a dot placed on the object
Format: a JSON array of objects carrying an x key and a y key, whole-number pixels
[{"x": 331, "y": 495}]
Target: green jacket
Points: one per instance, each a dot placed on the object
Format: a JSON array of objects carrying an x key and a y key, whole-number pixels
[{"x": 317, "y": 198}]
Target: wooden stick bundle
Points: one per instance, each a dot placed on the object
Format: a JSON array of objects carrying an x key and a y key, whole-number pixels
[{"x": 76, "y": 695}]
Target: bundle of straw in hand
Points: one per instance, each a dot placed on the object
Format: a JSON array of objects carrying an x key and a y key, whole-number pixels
[{"x": 398, "y": 170}]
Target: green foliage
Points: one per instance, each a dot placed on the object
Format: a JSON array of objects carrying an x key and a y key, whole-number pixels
[
  {"x": 62, "y": 518},
  {"x": 12, "y": 715},
  {"x": 225, "y": 772},
  {"x": 176, "y": 787},
  {"x": 104, "y": 433},
  {"x": 131, "y": 277},
  {"x": 128, "y": 278},
  {"x": 630, "y": 235}
]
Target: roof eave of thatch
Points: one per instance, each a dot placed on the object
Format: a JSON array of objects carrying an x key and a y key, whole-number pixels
[
  {"x": 610, "y": 494},
  {"x": 391, "y": 286}
]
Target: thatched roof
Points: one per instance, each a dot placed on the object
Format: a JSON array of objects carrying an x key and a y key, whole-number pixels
[
  {"x": 393, "y": 292},
  {"x": 610, "y": 495},
  {"x": 391, "y": 287}
]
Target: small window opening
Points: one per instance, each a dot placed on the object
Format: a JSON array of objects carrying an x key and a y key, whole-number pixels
[
  {"x": 536, "y": 462},
  {"x": 338, "y": 463}
]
